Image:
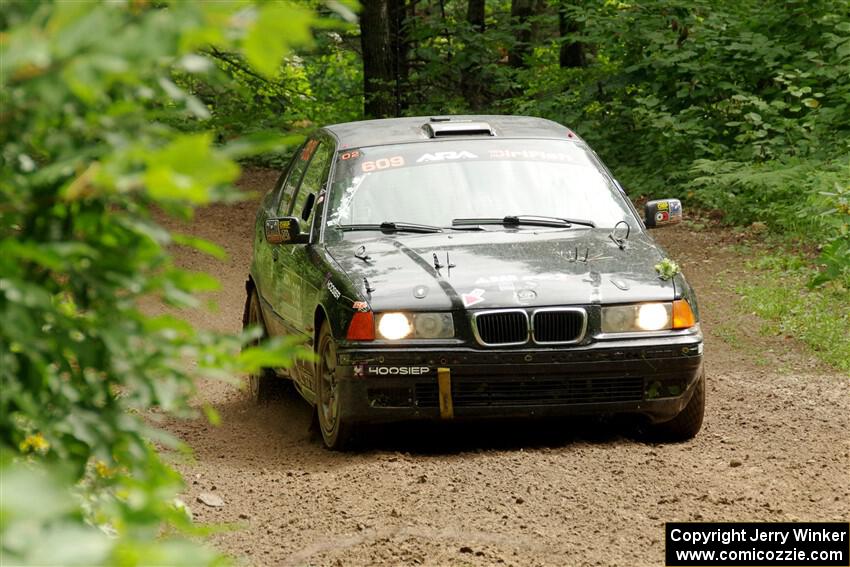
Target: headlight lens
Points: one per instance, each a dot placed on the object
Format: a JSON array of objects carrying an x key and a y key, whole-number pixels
[
  {"x": 653, "y": 316},
  {"x": 618, "y": 319},
  {"x": 396, "y": 326},
  {"x": 433, "y": 325},
  {"x": 639, "y": 317}
]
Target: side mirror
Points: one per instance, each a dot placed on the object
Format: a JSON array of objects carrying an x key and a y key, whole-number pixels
[
  {"x": 662, "y": 212},
  {"x": 284, "y": 230}
]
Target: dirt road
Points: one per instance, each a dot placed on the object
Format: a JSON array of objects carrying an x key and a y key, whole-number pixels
[{"x": 775, "y": 446}]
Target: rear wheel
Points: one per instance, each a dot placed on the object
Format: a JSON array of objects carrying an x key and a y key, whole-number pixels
[
  {"x": 263, "y": 385},
  {"x": 337, "y": 431},
  {"x": 689, "y": 421}
]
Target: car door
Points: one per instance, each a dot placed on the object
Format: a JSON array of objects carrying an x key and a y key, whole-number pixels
[
  {"x": 299, "y": 274},
  {"x": 274, "y": 291}
]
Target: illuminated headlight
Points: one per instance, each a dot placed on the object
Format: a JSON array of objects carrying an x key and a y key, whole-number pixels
[
  {"x": 654, "y": 316},
  {"x": 396, "y": 326},
  {"x": 640, "y": 317}
]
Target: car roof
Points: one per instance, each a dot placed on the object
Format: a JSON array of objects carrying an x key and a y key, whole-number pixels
[{"x": 419, "y": 129}]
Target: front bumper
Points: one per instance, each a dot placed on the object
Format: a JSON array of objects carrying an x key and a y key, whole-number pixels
[{"x": 653, "y": 376}]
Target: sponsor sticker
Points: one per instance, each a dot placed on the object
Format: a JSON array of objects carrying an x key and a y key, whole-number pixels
[
  {"x": 526, "y": 295},
  {"x": 533, "y": 155},
  {"x": 334, "y": 291},
  {"x": 443, "y": 156},
  {"x": 496, "y": 279},
  {"x": 360, "y": 306},
  {"x": 474, "y": 297},
  {"x": 398, "y": 370}
]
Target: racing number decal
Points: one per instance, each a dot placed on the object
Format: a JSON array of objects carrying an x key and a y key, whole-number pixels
[
  {"x": 382, "y": 163},
  {"x": 353, "y": 154}
]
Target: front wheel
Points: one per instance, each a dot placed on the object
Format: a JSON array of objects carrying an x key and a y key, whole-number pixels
[
  {"x": 336, "y": 429},
  {"x": 689, "y": 421}
]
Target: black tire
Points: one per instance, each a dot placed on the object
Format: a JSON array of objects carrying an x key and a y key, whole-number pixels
[
  {"x": 337, "y": 432},
  {"x": 263, "y": 385},
  {"x": 689, "y": 421}
]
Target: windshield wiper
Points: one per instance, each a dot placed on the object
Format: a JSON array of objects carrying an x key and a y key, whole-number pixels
[
  {"x": 527, "y": 220},
  {"x": 388, "y": 226},
  {"x": 470, "y": 227}
]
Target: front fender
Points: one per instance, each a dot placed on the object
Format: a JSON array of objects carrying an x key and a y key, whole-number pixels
[
  {"x": 684, "y": 290},
  {"x": 337, "y": 300}
]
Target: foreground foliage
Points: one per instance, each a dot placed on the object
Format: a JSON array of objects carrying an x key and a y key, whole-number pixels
[{"x": 90, "y": 152}]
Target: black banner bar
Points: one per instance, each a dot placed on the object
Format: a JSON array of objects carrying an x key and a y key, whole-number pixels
[{"x": 745, "y": 544}]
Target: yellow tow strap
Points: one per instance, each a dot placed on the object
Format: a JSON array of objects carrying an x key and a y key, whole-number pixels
[{"x": 444, "y": 381}]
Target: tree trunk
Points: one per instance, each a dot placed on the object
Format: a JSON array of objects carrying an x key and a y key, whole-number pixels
[
  {"x": 572, "y": 52},
  {"x": 521, "y": 10},
  {"x": 380, "y": 35},
  {"x": 471, "y": 80},
  {"x": 401, "y": 47},
  {"x": 475, "y": 14}
]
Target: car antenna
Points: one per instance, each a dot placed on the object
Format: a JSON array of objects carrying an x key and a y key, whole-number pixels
[
  {"x": 361, "y": 254},
  {"x": 620, "y": 241}
]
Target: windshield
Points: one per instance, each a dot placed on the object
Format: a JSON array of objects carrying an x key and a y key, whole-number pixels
[{"x": 433, "y": 183}]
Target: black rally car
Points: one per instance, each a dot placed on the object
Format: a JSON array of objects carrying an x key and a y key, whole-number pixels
[{"x": 471, "y": 266}]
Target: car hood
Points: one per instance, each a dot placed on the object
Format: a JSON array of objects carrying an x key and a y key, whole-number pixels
[{"x": 499, "y": 269}]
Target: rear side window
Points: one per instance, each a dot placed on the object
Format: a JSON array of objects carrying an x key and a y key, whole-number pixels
[
  {"x": 296, "y": 173},
  {"x": 312, "y": 183}
]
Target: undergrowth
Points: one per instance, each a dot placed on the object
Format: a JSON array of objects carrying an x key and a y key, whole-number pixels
[{"x": 819, "y": 317}]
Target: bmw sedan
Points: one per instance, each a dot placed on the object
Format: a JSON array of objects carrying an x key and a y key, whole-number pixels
[{"x": 468, "y": 267}]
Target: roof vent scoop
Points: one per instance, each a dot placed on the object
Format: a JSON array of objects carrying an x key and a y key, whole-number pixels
[{"x": 449, "y": 128}]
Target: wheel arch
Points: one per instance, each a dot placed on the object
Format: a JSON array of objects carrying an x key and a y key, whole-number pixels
[
  {"x": 249, "y": 287},
  {"x": 319, "y": 317}
]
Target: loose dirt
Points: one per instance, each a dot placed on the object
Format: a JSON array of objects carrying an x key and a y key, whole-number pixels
[{"x": 775, "y": 446}]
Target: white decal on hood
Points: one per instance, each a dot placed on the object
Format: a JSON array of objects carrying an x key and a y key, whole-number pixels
[{"x": 496, "y": 279}]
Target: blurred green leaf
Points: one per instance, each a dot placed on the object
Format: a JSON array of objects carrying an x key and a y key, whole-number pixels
[{"x": 276, "y": 27}]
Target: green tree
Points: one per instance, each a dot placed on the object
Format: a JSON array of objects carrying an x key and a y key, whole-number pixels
[{"x": 91, "y": 149}]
